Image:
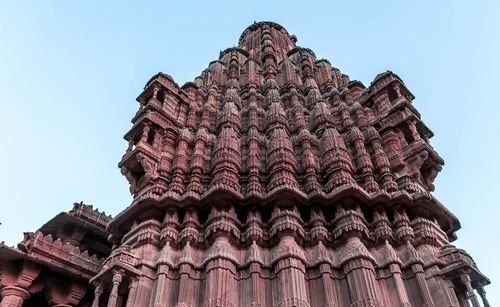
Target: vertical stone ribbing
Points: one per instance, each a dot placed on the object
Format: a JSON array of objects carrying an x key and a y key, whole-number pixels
[
  {"x": 179, "y": 167},
  {"x": 255, "y": 268},
  {"x": 253, "y": 162},
  {"x": 391, "y": 259},
  {"x": 220, "y": 284},
  {"x": 361, "y": 279},
  {"x": 186, "y": 283},
  {"x": 363, "y": 160},
  {"x": 418, "y": 269},
  {"x": 290, "y": 270},
  {"x": 325, "y": 269},
  {"x": 143, "y": 290},
  {"x": 163, "y": 285},
  {"x": 288, "y": 259}
]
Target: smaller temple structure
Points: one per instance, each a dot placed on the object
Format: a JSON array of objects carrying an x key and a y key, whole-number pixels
[{"x": 53, "y": 265}]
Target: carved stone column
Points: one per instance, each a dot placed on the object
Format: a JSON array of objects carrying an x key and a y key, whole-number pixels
[
  {"x": 113, "y": 296},
  {"x": 142, "y": 293},
  {"x": 13, "y": 296},
  {"x": 328, "y": 288},
  {"x": 156, "y": 89},
  {"x": 482, "y": 293},
  {"x": 162, "y": 297},
  {"x": 221, "y": 285},
  {"x": 290, "y": 274},
  {"x": 462, "y": 300},
  {"x": 64, "y": 292},
  {"x": 131, "y": 292},
  {"x": 255, "y": 269},
  {"x": 394, "y": 263},
  {"x": 130, "y": 145},
  {"x": 167, "y": 155},
  {"x": 145, "y": 133},
  {"x": 360, "y": 272},
  {"x": 449, "y": 289},
  {"x": 470, "y": 292},
  {"x": 400, "y": 288},
  {"x": 383, "y": 103},
  {"x": 186, "y": 274},
  {"x": 97, "y": 295},
  {"x": 414, "y": 259},
  {"x": 422, "y": 284}
]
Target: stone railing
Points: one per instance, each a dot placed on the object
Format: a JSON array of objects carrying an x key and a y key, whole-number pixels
[
  {"x": 450, "y": 255},
  {"x": 90, "y": 215},
  {"x": 59, "y": 253},
  {"x": 122, "y": 256}
]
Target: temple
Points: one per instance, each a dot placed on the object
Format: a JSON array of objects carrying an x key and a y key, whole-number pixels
[{"x": 272, "y": 179}]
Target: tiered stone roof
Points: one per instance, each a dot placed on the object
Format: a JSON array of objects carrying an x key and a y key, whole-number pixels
[{"x": 268, "y": 119}]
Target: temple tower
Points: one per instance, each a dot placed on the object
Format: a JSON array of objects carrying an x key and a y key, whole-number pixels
[{"x": 273, "y": 179}]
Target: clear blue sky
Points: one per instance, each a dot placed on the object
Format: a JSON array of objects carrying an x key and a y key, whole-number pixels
[{"x": 70, "y": 72}]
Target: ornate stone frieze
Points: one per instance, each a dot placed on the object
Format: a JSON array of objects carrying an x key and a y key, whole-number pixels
[{"x": 63, "y": 254}]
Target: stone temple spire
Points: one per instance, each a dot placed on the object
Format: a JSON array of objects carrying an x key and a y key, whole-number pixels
[
  {"x": 271, "y": 179},
  {"x": 281, "y": 182}
]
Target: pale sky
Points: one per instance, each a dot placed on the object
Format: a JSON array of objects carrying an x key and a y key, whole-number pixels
[{"x": 70, "y": 72}]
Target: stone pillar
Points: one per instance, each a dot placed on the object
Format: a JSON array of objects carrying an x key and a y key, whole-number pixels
[
  {"x": 400, "y": 287},
  {"x": 167, "y": 155},
  {"x": 360, "y": 272},
  {"x": 130, "y": 145},
  {"x": 143, "y": 290},
  {"x": 156, "y": 89},
  {"x": 131, "y": 292},
  {"x": 328, "y": 288},
  {"x": 397, "y": 90},
  {"x": 142, "y": 102},
  {"x": 482, "y": 293},
  {"x": 255, "y": 269},
  {"x": 422, "y": 284},
  {"x": 157, "y": 138},
  {"x": 290, "y": 272},
  {"x": 383, "y": 103},
  {"x": 13, "y": 296},
  {"x": 254, "y": 273},
  {"x": 186, "y": 272},
  {"x": 449, "y": 288},
  {"x": 462, "y": 300},
  {"x": 113, "y": 296},
  {"x": 97, "y": 295},
  {"x": 221, "y": 286},
  {"x": 470, "y": 292},
  {"x": 162, "y": 296},
  {"x": 145, "y": 132},
  {"x": 412, "y": 125}
]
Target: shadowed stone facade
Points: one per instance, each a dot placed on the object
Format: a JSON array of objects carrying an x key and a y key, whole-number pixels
[{"x": 272, "y": 179}]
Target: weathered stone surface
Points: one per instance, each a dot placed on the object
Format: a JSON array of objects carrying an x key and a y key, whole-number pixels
[{"x": 272, "y": 179}]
